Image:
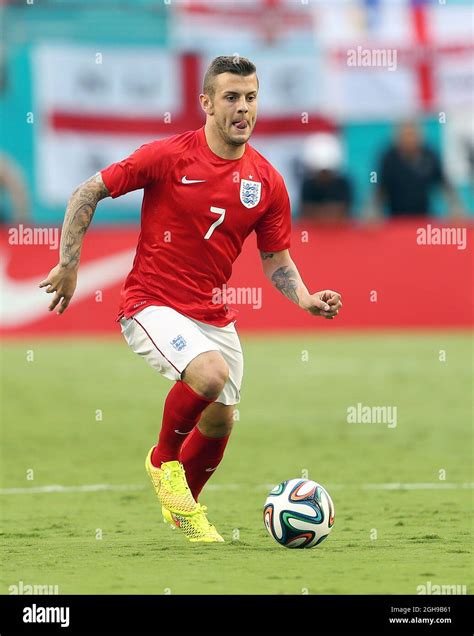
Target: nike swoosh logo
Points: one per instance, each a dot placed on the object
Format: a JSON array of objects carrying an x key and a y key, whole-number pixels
[
  {"x": 24, "y": 302},
  {"x": 180, "y": 433},
  {"x": 210, "y": 470},
  {"x": 184, "y": 180}
]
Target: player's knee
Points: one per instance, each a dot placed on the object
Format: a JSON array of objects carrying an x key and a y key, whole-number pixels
[
  {"x": 212, "y": 385},
  {"x": 220, "y": 428},
  {"x": 224, "y": 426},
  {"x": 207, "y": 374},
  {"x": 217, "y": 420}
]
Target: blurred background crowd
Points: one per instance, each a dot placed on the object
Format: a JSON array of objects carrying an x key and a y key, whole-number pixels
[{"x": 83, "y": 83}]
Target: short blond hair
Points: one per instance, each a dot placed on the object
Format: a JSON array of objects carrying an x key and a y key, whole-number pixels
[{"x": 226, "y": 64}]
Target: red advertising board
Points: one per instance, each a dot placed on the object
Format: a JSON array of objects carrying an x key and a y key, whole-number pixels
[{"x": 396, "y": 275}]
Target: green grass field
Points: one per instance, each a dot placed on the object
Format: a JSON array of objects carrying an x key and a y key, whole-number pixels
[{"x": 292, "y": 418}]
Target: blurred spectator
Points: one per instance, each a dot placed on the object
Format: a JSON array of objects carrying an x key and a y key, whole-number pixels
[
  {"x": 14, "y": 204},
  {"x": 326, "y": 194},
  {"x": 469, "y": 147},
  {"x": 409, "y": 171}
]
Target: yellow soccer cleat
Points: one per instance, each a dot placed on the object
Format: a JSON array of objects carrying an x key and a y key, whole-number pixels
[
  {"x": 195, "y": 527},
  {"x": 171, "y": 486},
  {"x": 179, "y": 507}
]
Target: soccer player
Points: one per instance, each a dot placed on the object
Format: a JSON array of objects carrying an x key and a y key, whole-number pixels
[{"x": 205, "y": 191}]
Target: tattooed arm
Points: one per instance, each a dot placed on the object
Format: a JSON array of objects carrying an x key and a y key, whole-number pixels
[
  {"x": 79, "y": 213},
  {"x": 283, "y": 274},
  {"x": 62, "y": 279}
]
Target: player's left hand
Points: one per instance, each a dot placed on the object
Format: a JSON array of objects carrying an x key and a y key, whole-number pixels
[{"x": 325, "y": 303}]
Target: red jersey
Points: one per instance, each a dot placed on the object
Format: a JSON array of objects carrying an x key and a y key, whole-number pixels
[{"x": 197, "y": 210}]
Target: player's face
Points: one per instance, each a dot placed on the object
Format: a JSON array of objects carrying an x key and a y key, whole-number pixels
[{"x": 234, "y": 107}]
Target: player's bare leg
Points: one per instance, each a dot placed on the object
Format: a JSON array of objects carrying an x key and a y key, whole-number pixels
[
  {"x": 203, "y": 380},
  {"x": 204, "y": 448},
  {"x": 207, "y": 374},
  {"x": 217, "y": 420}
]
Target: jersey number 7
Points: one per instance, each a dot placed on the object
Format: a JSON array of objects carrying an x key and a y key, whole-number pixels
[{"x": 220, "y": 220}]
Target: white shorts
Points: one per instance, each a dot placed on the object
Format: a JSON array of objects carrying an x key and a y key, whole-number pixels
[{"x": 169, "y": 341}]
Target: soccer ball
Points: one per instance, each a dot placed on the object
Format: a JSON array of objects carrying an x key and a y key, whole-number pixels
[{"x": 298, "y": 513}]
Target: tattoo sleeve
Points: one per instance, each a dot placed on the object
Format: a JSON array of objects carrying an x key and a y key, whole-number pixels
[
  {"x": 79, "y": 213},
  {"x": 285, "y": 280}
]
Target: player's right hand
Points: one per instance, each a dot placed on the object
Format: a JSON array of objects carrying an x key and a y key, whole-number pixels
[{"x": 62, "y": 281}]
